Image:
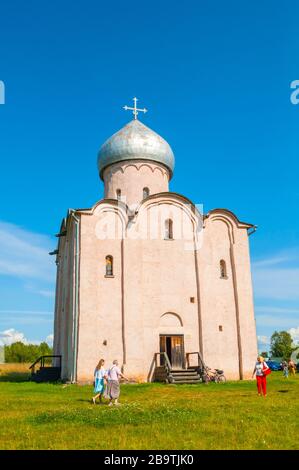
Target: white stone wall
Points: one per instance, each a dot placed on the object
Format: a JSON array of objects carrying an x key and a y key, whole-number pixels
[
  {"x": 227, "y": 303},
  {"x": 121, "y": 317}
]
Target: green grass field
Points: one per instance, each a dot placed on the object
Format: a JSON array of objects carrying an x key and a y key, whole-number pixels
[{"x": 152, "y": 416}]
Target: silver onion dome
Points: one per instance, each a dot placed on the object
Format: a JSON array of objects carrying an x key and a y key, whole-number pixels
[{"x": 135, "y": 141}]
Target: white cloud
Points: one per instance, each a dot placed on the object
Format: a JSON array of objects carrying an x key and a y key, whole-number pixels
[
  {"x": 286, "y": 257},
  {"x": 10, "y": 336},
  {"x": 294, "y": 332},
  {"x": 40, "y": 289},
  {"x": 50, "y": 339},
  {"x": 263, "y": 340},
  {"x": 25, "y": 254},
  {"x": 46, "y": 292},
  {"x": 270, "y": 261}
]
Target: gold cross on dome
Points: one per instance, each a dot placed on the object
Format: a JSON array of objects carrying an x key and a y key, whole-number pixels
[{"x": 135, "y": 109}]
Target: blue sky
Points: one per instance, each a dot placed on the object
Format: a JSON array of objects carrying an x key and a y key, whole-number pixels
[{"x": 215, "y": 77}]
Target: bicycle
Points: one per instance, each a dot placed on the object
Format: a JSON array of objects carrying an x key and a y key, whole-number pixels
[{"x": 213, "y": 375}]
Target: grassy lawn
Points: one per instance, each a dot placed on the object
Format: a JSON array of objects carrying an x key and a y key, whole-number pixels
[{"x": 152, "y": 416}]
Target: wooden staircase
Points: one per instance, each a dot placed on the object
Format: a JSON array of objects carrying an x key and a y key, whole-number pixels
[
  {"x": 165, "y": 373},
  {"x": 45, "y": 373},
  {"x": 184, "y": 376}
]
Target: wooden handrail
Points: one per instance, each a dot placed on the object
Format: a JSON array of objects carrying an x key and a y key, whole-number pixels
[
  {"x": 41, "y": 359},
  {"x": 199, "y": 357},
  {"x": 167, "y": 361}
]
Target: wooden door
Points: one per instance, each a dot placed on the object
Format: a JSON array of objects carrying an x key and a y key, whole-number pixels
[
  {"x": 173, "y": 345},
  {"x": 177, "y": 352}
]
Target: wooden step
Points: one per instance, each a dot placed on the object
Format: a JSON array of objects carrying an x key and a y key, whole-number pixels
[
  {"x": 184, "y": 382},
  {"x": 177, "y": 376},
  {"x": 183, "y": 377},
  {"x": 189, "y": 374}
]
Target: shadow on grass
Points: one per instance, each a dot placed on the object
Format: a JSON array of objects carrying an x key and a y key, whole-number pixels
[
  {"x": 282, "y": 391},
  {"x": 15, "y": 377}
]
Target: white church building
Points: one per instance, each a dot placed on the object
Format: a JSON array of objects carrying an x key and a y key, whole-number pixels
[{"x": 144, "y": 274}]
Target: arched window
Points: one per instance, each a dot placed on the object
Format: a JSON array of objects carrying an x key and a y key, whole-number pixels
[
  {"x": 223, "y": 273},
  {"x": 168, "y": 229},
  {"x": 118, "y": 194},
  {"x": 145, "y": 192},
  {"x": 109, "y": 265}
]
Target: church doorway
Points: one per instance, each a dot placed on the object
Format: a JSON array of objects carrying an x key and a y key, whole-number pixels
[{"x": 173, "y": 345}]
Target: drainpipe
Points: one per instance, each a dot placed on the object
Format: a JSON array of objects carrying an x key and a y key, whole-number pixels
[
  {"x": 252, "y": 231},
  {"x": 72, "y": 213}
]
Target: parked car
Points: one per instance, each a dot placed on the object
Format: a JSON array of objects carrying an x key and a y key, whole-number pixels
[{"x": 274, "y": 365}]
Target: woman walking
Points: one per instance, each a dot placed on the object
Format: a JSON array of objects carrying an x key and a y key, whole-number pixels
[
  {"x": 261, "y": 370},
  {"x": 285, "y": 369},
  {"x": 113, "y": 387},
  {"x": 292, "y": 367},
  {"x": 99, "y": 381}
]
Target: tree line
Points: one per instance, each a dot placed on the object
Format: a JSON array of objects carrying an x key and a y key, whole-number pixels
[
  {"x": 20, "y": 352},
  {"x": 281, "y": 345}
]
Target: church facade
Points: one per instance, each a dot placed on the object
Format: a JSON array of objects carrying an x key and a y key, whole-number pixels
[{"x": 144, "y": 271}]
